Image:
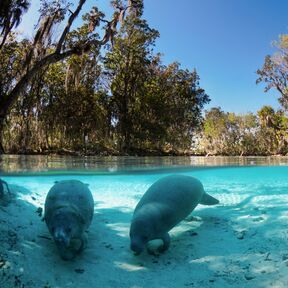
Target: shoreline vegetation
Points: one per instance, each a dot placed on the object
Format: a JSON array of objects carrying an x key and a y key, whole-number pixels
[
  {"x": 83, "y": 94},
  {"x": 136, "y": 153}
]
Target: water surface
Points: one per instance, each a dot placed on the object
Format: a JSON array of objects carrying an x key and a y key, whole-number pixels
[{"x": 127, "y": 178}]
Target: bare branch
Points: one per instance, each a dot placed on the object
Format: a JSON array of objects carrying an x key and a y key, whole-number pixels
[{"x": 68, "y": 26}]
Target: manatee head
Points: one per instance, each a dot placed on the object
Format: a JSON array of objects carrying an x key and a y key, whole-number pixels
[
  {"x": 64, "y": 226},
  {"x": 141, "y": 233}
]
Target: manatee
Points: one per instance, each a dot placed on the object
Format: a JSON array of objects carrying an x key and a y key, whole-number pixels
[
  {"x": 69, "y": 209},
  {"x": 167, "y": 202},
  {"x": 5, "y": 193},
  {"x": 2, "y": 190}
]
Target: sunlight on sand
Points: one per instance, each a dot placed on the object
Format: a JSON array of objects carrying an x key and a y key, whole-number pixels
[{"x": 129, "y": 267}]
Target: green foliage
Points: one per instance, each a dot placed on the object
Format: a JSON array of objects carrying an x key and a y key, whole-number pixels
[
  {"x": 120, "y": 100},
  {"x": 274, "y": 73},
  {"x": 228, "y": 134},
  {"x": 10, "y": 63},
  {"x": 11, "y": 12},
  {"x": 128, "y": 68},
  {"x": 154, "y": 107}
]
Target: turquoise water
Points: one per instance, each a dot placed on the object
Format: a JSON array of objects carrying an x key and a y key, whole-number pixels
[
  {"x": 242, "y": 242},
  {"x": 230, "y": 184},
  {"x": 131, "y": 176}
]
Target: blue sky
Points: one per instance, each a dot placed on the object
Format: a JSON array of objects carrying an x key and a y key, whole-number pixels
[{"x": 225, "y": 40}]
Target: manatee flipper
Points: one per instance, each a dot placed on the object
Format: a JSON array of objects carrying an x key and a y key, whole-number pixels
[
  {"x": 75, "y": 247},
  {"x": 166, "y": 243},
  {"x": 66, "y": 254},
  {"x": 208, "y": 200},
  {"x": 155, "y": 248},
  {"x": 78, "y": 245}
]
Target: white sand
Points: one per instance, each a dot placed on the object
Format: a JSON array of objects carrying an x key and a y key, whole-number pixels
[{"x": 240, "y": 243}]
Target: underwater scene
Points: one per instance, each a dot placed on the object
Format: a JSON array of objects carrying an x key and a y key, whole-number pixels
[{"x": 239, "y": 242}]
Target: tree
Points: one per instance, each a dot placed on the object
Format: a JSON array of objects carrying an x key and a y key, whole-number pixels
[
  {"x": 39, "y": 57},
  {"x": 132, "y": 104},
  {"x": 11, "y": 12},
  {"x": 215, "y": 130},
  {"x": 247, "y": 125},
  {"x": 172, "y": 106},
  {"x": 11, "y": 56},
  {"x": 127, "y": 66},
  {"x": 154, "y": 107},
  {"x": 274, "y": 72},
  {"x": 228, "y": 133},
  {"x": 272, "y": 135},
  {"x": 72, "y": 86}
]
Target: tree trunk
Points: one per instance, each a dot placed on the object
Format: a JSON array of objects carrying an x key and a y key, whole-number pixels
[{"x": 2, "y": 151}]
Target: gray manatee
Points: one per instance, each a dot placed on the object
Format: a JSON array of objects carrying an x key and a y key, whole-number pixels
[
  {"x": 69, "y": 209},
  {"x": 6, "y": 194},
  {"x": 2, "y": 190},
  {"x": 167, "y": 202}
]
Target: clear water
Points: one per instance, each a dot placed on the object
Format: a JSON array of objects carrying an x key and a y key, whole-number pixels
[
  {"x": 253, "y": 194},
  {"x": 230, "y": 184},
  {"x": 122, "y": 180}
]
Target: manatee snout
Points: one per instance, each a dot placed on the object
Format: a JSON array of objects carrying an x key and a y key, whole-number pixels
[
  {"x": 137, "y": 240},
  {"x": 61, "y": 238},
  {"x": 137, "y": 246}
]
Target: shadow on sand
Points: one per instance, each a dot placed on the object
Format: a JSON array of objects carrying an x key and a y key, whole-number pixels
[{"x": 242, "y": 245}]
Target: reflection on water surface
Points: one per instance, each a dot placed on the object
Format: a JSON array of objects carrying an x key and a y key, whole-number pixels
[{"x": 106, "y": 165}]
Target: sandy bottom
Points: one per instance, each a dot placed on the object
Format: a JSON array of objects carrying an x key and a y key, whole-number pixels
[{"x": 240, "y": 243}]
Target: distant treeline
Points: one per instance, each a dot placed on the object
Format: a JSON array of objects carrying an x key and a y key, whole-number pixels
[
  {"x": 86, "y": 94},
  {"x": 265, "y": 133}
]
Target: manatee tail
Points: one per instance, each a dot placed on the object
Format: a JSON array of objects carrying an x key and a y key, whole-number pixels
[{"x": 208, "y": 200}]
